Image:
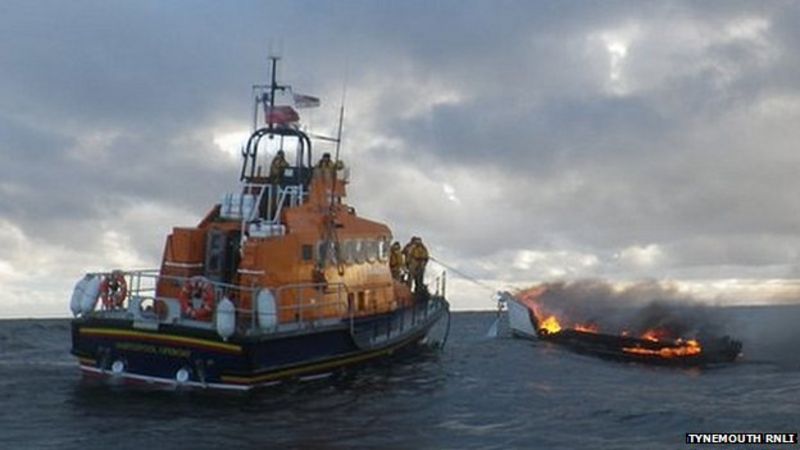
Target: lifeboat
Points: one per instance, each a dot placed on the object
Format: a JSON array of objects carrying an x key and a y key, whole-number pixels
[
  {"x": 281, "y": 279},
  {"x": 588, "y": 340}
]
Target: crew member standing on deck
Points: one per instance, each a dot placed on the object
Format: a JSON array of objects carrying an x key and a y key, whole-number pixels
[
  {"x": 278, "y": 166},
  {"x": 325, "y": 163},
  {"x": 397, "y": 262},
  {"x": 418, "y": 256},
  {"x": 325, "y": 171},
  {"x": 276, "y": 170},
  {"x": 324, "y": 167}
]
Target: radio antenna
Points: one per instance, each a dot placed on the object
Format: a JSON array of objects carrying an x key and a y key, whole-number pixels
[{"x": 341, "y": 116}]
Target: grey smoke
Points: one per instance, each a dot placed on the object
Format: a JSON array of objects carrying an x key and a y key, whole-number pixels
[{"x": 634, "y": 308}]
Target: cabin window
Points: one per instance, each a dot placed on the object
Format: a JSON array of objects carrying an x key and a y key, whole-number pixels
[
  {"x": 326, "y": 252},
  {"x": 307, "y": 252},
  {"x": 347, "y": 251},
  {"x": 335, "y": 253},
  {"x": 383, "y": 246},
  {"x": 376, "y": 250},
  {"x": 358, "y": 251},
  {"x": 371, "y": 250},
  {"x": 387, "y": 248}
]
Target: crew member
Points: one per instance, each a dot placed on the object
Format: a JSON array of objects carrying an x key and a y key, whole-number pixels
[
  {"x": 278, "y": 166},
  {"x": 407, "y": 260},
  {"x": 396, "y": 262},
  {"x": 326, "y": 166},
  {"x": 418, "y": 256},
  {"x": 276, "y": 170},
  {"x": 325, "y": 163}
]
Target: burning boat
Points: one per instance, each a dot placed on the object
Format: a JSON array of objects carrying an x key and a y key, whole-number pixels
[
  {"x": 281, "y": 279},
  {"x": 528, "y": 319}
]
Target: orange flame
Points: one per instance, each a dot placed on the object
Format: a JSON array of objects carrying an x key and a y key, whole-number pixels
[
  {"x": 687, "y": 348},
  {"x": 654, "y": 334},
  {"x": 587, "y": 328},
  {"x": 550, "y": 325},
  {"x": 672, "y": 349}
]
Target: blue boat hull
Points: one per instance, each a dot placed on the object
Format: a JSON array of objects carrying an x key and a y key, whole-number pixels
[{"x": 186, "y": 356}]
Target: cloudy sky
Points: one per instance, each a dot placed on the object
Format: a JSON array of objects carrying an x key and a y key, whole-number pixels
[{"x": 524, "y": 141}]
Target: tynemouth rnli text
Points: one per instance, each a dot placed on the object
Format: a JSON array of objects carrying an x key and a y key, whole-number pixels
[{"x": 741, "y": 438}]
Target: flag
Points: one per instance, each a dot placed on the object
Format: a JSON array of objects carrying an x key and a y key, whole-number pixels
[
  {"x": 305, "y": 101},
  {"x": 280, "y": 115}
]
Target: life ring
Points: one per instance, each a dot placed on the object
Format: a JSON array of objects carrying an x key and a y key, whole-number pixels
[
  {"x": 197, "y": 288},
  {"x": 113, "y": 290}
]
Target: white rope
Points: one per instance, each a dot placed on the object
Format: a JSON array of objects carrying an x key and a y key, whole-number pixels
[{"x": 464, "y": 275}]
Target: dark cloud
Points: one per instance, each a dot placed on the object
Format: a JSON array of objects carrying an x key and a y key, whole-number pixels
[{"x": 522, "y": 139}]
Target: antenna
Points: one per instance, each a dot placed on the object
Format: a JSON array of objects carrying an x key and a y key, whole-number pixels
[
  {"x": 338, "y": 140},
  {"x": 339, "y": 133},
  {"x": 341, "y": 114}
]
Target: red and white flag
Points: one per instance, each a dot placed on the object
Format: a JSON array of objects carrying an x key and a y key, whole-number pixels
[
  {"x": 305, "y": 101},
  {"x": 280, "y": 114}
]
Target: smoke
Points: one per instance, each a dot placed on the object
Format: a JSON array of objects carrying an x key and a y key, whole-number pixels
[{"x": 631, "y": 308}]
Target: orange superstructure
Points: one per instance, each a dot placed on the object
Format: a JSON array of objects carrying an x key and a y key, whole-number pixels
[
  {"x": 303, "y": 251},
  {"x": 292, "y": 234}
]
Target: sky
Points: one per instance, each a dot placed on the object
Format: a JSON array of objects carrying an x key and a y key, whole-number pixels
[{"x": 524, "y": 141}]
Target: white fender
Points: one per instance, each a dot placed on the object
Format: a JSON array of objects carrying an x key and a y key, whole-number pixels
[
  {"x": 267, "y": 310},
  {"x": 77, "y": 293},
  {"x": 226, "y": 318},
  {"x": 91, "y": 294},
  {"x": 84, "y": 296}
]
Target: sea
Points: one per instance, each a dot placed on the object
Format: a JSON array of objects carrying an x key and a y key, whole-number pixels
[{"x": 477, "y": 392}]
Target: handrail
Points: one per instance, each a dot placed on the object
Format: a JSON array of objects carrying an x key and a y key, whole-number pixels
[
  {"x": 335, "y": 295},
  {"x": 295, "y": 194},
  {"x": 143, "y": 285}
]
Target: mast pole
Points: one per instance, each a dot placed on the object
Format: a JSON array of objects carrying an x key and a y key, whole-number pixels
[
  {"x": 339, "y": 133},
  {"x": 273, "y": 86},
  {"x": 256, "y": 101},
  {"x": 341, "y": 118}
]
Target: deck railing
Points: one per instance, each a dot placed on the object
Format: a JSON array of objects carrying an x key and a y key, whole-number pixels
[
  {"x": 307, "y": 303},
  {"x": 269, "y": 310}
]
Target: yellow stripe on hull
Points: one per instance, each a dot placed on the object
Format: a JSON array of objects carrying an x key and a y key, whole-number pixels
[
  {"x": 87, "y": 361},
  {"x": 166, "y": 338}
]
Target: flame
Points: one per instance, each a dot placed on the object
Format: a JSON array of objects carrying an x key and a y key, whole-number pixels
[
  {"x": 683, "y": 348},
  {"x": 654, "y": 334},
  {"x": 671, "y": 349},
  {"x": 587, "y": 328},
  {"x": 550, "y": 325}
]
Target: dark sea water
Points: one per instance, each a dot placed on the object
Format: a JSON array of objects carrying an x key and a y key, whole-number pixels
[{"x": 476, "y": 393}]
